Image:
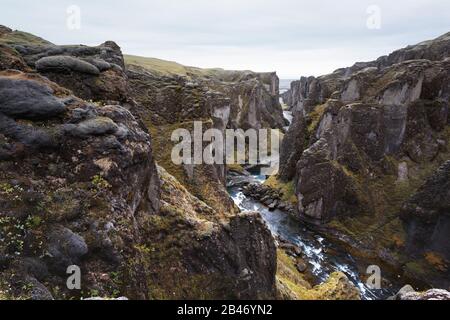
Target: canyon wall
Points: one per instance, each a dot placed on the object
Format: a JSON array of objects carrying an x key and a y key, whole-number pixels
[
  {"x": 79, "y": 183},
  {"x": 368, "y": 143}
]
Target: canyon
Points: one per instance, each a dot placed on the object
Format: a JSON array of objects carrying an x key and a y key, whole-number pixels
[{"x": 87, "y": 177}]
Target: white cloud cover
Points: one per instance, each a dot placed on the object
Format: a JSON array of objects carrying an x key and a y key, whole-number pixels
[{"x": 291, "y": 37}]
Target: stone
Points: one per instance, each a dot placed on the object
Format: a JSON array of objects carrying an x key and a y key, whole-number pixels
[
  {"x": 433, "y": 294},
  {"x": 425, "y": 216},
  {"x": 38, "y": 291},
  {"x": 402, "y": 172},
  {"x": 26, "y": 99},
  {"x": 291, "y": 249},
  {"x": 92, "y": 127},
  {"x": 301, "y": 266},
  {"x": 100, "y": 64},
  {"x": 11, "y": 59},
  {"x": 65, "y": 63},
  {"x": 36, "y": 138},
  {"x": 64, "y": 248}
]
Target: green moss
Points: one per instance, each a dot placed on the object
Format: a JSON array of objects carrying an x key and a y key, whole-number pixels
[
  {"x": 314, "y": 117},
  {"x": 100, "y": 183},
  {"x": 23, "y": 38},
  {"x": 337, "y": 287},
  {"x": 159, "y": 66},
  {"x": 235, "y": 167},
  {"x": 287, "y": 189}
]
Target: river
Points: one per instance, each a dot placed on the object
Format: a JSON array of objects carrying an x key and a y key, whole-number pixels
[{"x": 323, "y": 256}]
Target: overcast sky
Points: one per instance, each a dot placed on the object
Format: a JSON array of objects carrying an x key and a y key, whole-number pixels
[{"x": 292, "y": 37}]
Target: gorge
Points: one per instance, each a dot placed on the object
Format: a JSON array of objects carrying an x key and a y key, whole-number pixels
[{"x": 87, "y": 178}]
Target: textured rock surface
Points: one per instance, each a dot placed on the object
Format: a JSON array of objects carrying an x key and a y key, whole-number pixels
[
  {"x": 92, "y": 73},
  {"x": 366, "y": 138},
  {"x": 408, "y": 293},
  {"x": 11, "y": 59},
  {"x": 426, "y": 215},
  {"x": 74, "y": 203},
  {"x": 28, "y": 99},
  {"x": 65, "y": 64},
  {"x": 79, "y": 185},
  {"x": 230, "y": 100}
]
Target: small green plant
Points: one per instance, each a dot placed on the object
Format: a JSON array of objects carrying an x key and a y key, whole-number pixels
[
  {"x": 33, "y": 222},
  {"x": 6, "y": 188},
  {"x": 12, "y": 233},
  {"x": 100, "y": 183}
]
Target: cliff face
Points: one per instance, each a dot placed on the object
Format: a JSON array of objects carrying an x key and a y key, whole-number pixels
[
  {"x": 253, "y": 98},
  {"x": 425, "y": 215},
  {"x": 220, "y": 99},
  {"x": 365, "y": 139},
  {"x": 79, "y": 184}
]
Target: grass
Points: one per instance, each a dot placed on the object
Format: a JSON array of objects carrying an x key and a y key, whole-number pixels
[
  {"x": 335, "y": 288},
  {"x": 315, "y": 117},
  {"x": 158, "y": 66},
  {"x": 170, "y": 68},
  {"x": 23, "y": 38},
  {"x": 286, "y": 188}
]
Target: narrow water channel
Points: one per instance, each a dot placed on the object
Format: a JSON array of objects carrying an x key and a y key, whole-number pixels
[{"x": 323, "y": 257}]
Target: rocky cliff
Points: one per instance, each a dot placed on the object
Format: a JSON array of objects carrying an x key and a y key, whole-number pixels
[
  {"x": 79, "y": 184},
  {"x": 253, "y": 98},
  {"x": 364, "y": 140}
]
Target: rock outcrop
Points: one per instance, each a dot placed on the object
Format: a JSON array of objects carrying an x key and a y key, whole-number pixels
[
  {"x": 219, "y": 99},
  {"x": 74, "y": 198},
  {"x": 366, "y": 137},
  {"x": 92, "y": 73},
  {"x": 408, "y": 293},
  {"x": 427, "y": 221},
  {"x": 79, "y": 185}
]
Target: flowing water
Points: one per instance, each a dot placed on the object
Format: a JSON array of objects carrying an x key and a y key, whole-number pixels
[{"x": 323, "y": 257}]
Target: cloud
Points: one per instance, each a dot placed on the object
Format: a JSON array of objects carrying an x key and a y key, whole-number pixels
[{"x": 290, "y": 36}]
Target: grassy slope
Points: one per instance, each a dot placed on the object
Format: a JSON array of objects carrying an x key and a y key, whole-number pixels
[
  {"x": 20, "y": 37},
  {"x": 168, "y": 68}
]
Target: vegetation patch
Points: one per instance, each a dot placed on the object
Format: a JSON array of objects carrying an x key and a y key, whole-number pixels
[{"x": 287, "y": 189}]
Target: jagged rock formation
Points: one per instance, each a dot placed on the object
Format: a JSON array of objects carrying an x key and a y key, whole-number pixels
[
  {"x": 220, "y": 99},
  {"x": 253, "y": 98},
  {"x": 212, "y": 255},
  {"x": 426, "y": 215},
  {"x": 408, "y": 293},
  {"x": 92, "y": 73},
  {"x": 79, "y": 185},
  {"x": 170, "y": 103},
  {"x": 74, "y": 198},
  {"x": 365, "y": 139}
]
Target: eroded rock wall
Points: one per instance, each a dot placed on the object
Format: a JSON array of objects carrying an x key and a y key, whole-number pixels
[{"x": 366, "y": 138}]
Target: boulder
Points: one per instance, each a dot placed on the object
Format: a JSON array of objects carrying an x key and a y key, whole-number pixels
[
  {"x": 408, "y": 293},
  {"x": 64, "y": 64},
  {"x": 26, "y": 99},
  {"x": 301, "y": 266},
  {"x": 64, "y": 248},
  {"x": 29, "y": 135},
  {"x": 92, "y": 127}
]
